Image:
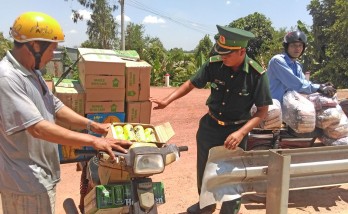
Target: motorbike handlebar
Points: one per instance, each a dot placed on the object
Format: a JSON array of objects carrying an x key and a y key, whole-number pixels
[
  {"x": 85, "y": 152},
  {"x": 183, "y": 148},
  {"x": 95, "y": 152}
]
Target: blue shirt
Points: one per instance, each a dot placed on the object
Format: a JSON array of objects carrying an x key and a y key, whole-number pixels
[{"x": 285, "y": 75}]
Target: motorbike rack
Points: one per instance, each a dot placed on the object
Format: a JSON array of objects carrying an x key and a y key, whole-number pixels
[{"x": 264, "y": 139}]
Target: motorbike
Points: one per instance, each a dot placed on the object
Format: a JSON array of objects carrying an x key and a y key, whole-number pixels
[
  {"x": 124, "y": 185},
  {"x": 282, "y": 138}
]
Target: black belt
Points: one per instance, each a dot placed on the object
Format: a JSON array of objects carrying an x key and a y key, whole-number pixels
[{"x": 226, "y": 123}]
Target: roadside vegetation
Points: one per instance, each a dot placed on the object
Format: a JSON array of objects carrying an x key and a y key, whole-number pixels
[{"x": 325, "y": 57}]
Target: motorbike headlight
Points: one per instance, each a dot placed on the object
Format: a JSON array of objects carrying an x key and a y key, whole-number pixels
[{"x": 148, "y": 164}]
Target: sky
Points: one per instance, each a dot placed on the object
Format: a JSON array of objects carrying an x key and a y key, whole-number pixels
[{"x": 177, "y": 23}]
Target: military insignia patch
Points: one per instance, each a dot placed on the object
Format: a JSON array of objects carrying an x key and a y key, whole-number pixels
[
  {"x": 256, "y": 66},
  {"x": 219, "y": 82},
  {"x": 213, "y": 85},
  {"x": 216, "y": 58}
]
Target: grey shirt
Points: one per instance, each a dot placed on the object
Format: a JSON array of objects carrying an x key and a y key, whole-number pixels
[{"x": 27, "y": 165}]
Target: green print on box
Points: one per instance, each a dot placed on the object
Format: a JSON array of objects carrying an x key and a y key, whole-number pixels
[
  {"x": 101, "y": 108},
  {"x": 117, "y": 195},
  {"x": 115, "y": 83},
  {"x": 131, "y": 93},
  {"x": 158, "y": 190},
  {"x": 113, "y": 108},
  {"x": 98, "y": 82}
]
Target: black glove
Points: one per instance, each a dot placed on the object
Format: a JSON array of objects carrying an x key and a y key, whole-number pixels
[
  {"x": 328, "y": 91},
  {"x": 329, "y": 84}
]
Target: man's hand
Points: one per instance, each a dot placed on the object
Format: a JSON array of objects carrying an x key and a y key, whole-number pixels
[
  {"x": 327, "y": 90},
  {"x": 233, "y": 140},
  {"x": 160, "y": 103},
  {"x": 100, "y": 128},
  {"x": 109, "y": 144}
]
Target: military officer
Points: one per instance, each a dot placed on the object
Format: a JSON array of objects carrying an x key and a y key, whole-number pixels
[{"x": 237, "y": 82}]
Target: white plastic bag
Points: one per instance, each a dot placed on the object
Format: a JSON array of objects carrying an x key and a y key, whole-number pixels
[{"x": 298, "y": 112}]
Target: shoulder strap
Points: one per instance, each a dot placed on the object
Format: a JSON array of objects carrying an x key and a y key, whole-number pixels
[
  {"x": 256, "y": 66},
  {"x": 216, "y": 58}
]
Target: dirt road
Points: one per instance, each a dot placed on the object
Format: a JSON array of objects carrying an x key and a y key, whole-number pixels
[{"x": 180, "y": 177}]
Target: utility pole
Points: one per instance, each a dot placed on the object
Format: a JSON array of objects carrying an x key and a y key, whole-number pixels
[{"x": 122, "y": 25}]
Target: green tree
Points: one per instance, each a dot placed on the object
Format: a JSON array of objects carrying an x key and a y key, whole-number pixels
[
  {"x": 330, "y": 28},
  {"x": 134, "y": 38},
  {"x": 183, "y": 70},
  {"x": 102, "y": 28},
  {"x": 180, "y": 66},
  {"x": 202, "y": 51},
  {"x": 262, "y": 28},
  {"x": 89, "y": 4},
  {"x": 155, "y": 54},
  {"x": 5, "y": 45},
  {"x": 271, "y": 47}
]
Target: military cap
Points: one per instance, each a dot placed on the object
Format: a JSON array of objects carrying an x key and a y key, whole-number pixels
[{"x": 229, "y": 39}]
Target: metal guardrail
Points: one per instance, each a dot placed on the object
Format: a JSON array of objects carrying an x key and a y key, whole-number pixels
[{"x": 229, "y": 174}]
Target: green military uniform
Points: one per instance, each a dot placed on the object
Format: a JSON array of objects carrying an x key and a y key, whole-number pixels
[{"x": 232, "y": 95}]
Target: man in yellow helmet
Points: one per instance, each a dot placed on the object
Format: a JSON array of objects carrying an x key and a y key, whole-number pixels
[{"x": 29, "y": 137}]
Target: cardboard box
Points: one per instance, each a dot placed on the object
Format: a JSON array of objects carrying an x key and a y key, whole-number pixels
[
  {"x": 111, "y": 117},
  {"x": 120, "y": 194},
  {"x": 163, "y": 132},
  {"x": 128, "y": 54},
  {"x": 67, "y": 154},
  {"x": 137, "y": 80},
  {"x": 100, "y": 62},
  {"x": 98, "y": 94},
  {"x": 102, "y": 81},
  {"x": 104, "y": 107},
  {"x": 138, "y": 112},
  {"x": 71, "y": 93},
  {"x": 101, "y": 197},
  {"x": 158, "y": 190}
]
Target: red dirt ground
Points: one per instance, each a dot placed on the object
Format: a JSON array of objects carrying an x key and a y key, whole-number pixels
[{"x": 179, "y": 178}]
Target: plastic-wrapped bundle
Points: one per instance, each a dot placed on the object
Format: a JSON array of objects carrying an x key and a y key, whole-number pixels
[
  {"x": 321, "y": 101},
  {"x": 344, "y": 105},
  {"x": 334, "y": 142},
  {"x": 273, "y": 119},
  {"x": 328, "y": 117},
  {"x": 298, "y": 112},
  {"x": 340, "y": 130}
]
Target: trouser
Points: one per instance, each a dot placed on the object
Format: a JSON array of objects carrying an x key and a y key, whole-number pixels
[
  {"x": 210, "y": 134},
  {"x": 13, "y": 203}
]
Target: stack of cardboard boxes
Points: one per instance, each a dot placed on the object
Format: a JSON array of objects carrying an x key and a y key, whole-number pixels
[
  {"x": 111, "y": 89},
  {"x": 102, "y": 77},
  {"x": 138, "y": 106},
  {"x": 72, "y": 95}
]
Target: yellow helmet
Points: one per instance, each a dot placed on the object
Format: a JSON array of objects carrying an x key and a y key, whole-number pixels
[{"x": 36, "y": 26}]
